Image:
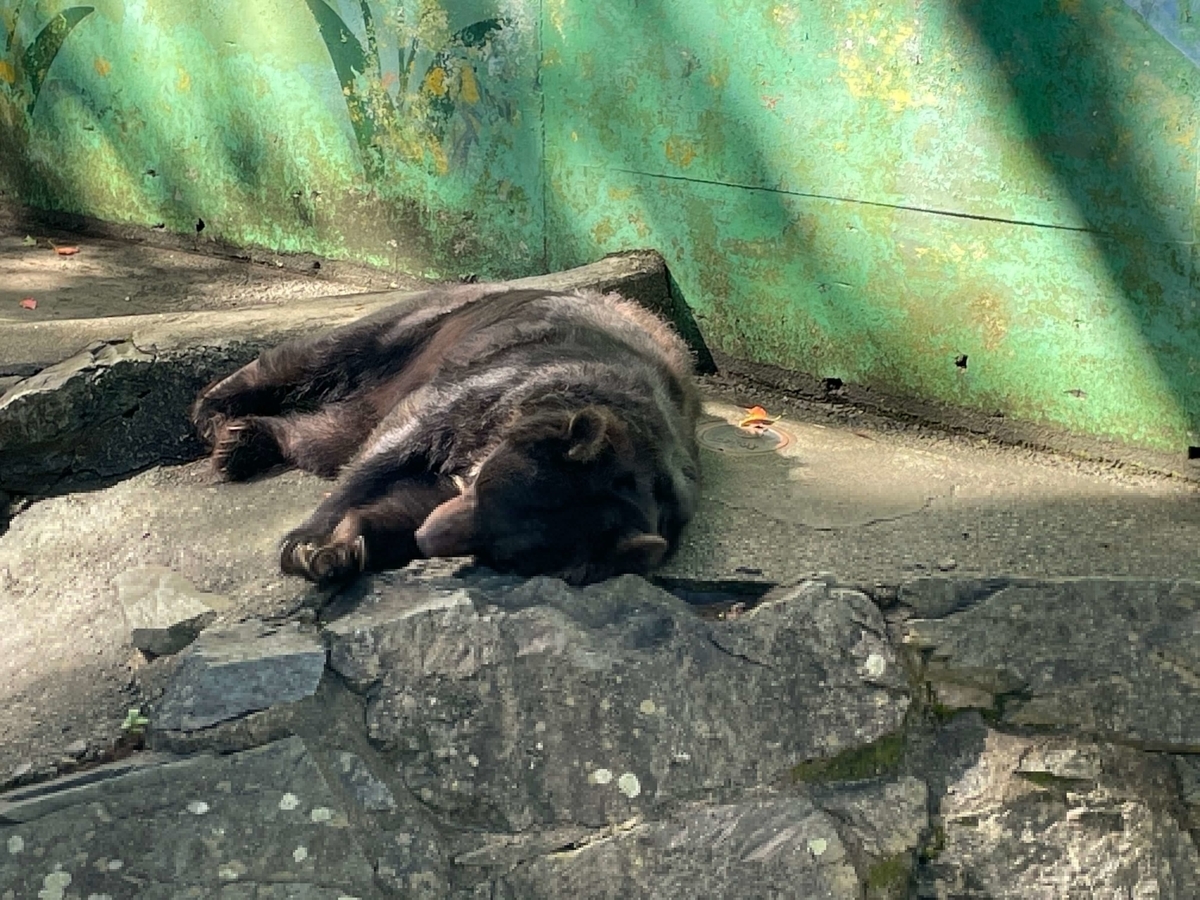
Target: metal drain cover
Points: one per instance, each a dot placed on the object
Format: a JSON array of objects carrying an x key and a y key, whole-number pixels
[{"x": 725, "y": 438}]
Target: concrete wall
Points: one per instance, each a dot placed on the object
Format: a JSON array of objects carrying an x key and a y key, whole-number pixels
[
  {"x": 403, "y": 134},
  {"x": 986, "y": 204}
]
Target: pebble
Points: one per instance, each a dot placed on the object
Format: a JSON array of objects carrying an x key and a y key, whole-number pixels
[
  {"x": 76, "y": 748},
  {"x": 948, "y": 564}
]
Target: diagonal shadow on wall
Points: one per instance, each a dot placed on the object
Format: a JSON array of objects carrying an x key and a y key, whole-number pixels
[
  {"x": 671, "y": 180},
  {"x": 1090, "y": 79}
]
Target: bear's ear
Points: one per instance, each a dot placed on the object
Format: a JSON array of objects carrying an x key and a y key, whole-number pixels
[
  {"x": 640, "y": 552},
  {"x": 587, "y": 434},
  {"x": 450, "y": 529}
]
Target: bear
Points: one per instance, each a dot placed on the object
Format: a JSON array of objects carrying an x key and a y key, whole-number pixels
[{"x": 541, "y": 432}]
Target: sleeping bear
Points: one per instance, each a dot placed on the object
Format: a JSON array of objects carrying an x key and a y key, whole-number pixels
[{"x": 541, "y": 432}]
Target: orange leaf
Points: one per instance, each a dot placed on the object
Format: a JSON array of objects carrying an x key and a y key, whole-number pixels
[
  {"x": 756, "y": 415},
  {"x": 65, "y": 251},
  {"x": 28, "y": 303}
]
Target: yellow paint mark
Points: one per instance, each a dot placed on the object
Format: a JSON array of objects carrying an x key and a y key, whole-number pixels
[
  {"x": 987, "y": 311},
  {"x": 719, "y": 75},
  {"x": 557, "y": 16},
  {"x": 185, "y": 81},
  {"x": 7, "y": 72},
  {"x": 680, "y": 152},
  {"x": 878, "y": 59},
  {"x": 1070, "y": 7},
  {"x": 784, "y": 16},
  {"x": 440, "y": 162},
  {"x": 603, "y": 232},
  {"x": 435, "y": 81},
  {"x": 103, "y": 66},
  {"x": 470, "y": 87},
  {"x": 616, "y": 193},
  {"x": 575, "y": 135},
  {"x": 1185, "y": 139}
]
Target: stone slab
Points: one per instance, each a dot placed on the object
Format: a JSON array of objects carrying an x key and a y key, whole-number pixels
[
  {"x": 163, "y": 610},
  {"x": 240, "y": 669},
  {"x": 1110, "y": 657},
  {"x": 257, "y": 824},
  {"x": 540, "y": 704},
  {"x": 793, "y": 845},
  {"x": 1046, "y": 817}
]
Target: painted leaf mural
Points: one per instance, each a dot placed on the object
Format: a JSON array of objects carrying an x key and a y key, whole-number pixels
[
  {"x": 411, "y": 85},
  {"x": 23, "y": 73}
]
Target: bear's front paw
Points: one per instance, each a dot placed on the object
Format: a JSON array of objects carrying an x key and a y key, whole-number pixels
[{"x": 322, "y": 560}]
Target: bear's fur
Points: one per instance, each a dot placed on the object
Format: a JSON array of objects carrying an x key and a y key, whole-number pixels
[{"x": 542, "y": 432}]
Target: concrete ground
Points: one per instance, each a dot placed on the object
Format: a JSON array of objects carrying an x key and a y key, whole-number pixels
[
  {"x": 871, "y": 500},
  {"x": 109, "y": 277}
]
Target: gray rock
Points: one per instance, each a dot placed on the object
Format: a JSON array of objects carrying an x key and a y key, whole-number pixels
[
  {"x": 1187, "y": 768},
  {"x": 1027, "y": 818},
  {"x": 229, "y": 672},
  {"x": 370, "y": 793},
  {"x": 21, "y": 770},
  {"x": 163, "y": 610},
  {"x": 779, "y": 846},
  {"x": 36, "y": 800},
  {"x": 257, "y": 824},
  {"x": 562, "y": 706},
  {"x": 413, "y": 865},
  {"x": 1114, "y": 658},
  {"x": 76, "y": 749},
  {"x": 105, "y": 411}
]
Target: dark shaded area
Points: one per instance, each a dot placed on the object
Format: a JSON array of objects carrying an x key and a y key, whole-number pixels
[{"x": 716, "y": 598}]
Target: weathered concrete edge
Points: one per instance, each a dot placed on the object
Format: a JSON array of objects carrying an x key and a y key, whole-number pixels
[
  {"x": 30, "y": 347},
  {"x": 961, "y": 420}
]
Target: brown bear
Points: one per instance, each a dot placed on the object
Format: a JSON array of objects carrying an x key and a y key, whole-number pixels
[{"x": 541, "y": 432}]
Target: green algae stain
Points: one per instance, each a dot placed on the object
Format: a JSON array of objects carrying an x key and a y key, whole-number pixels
[
  {"x": 889, "y": 879},
  {"x": 879, "y": 758}
]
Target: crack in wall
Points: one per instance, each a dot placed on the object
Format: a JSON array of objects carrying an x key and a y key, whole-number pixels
[{"x": 834, "y": 198}]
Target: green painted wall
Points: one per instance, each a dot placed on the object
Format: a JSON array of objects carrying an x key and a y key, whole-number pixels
[
  {"x": 403, "y": 134},
  {"x": 866, "y": 189}
]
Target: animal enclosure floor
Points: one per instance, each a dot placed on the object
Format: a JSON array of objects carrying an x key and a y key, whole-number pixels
[
  {"x": 871, "y": 500},
  {"x": 870, "y": 504},
  {"x": 108, "y": 277}
]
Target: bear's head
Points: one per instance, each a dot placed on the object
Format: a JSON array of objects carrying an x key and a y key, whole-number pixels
[{"x": 571, "y": 494}]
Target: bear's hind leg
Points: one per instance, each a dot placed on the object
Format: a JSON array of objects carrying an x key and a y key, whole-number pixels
[
  {"x": 320, "y": 442},
  {"x": 243, "y": 448},
  {"x": 248, "y": 391}
]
